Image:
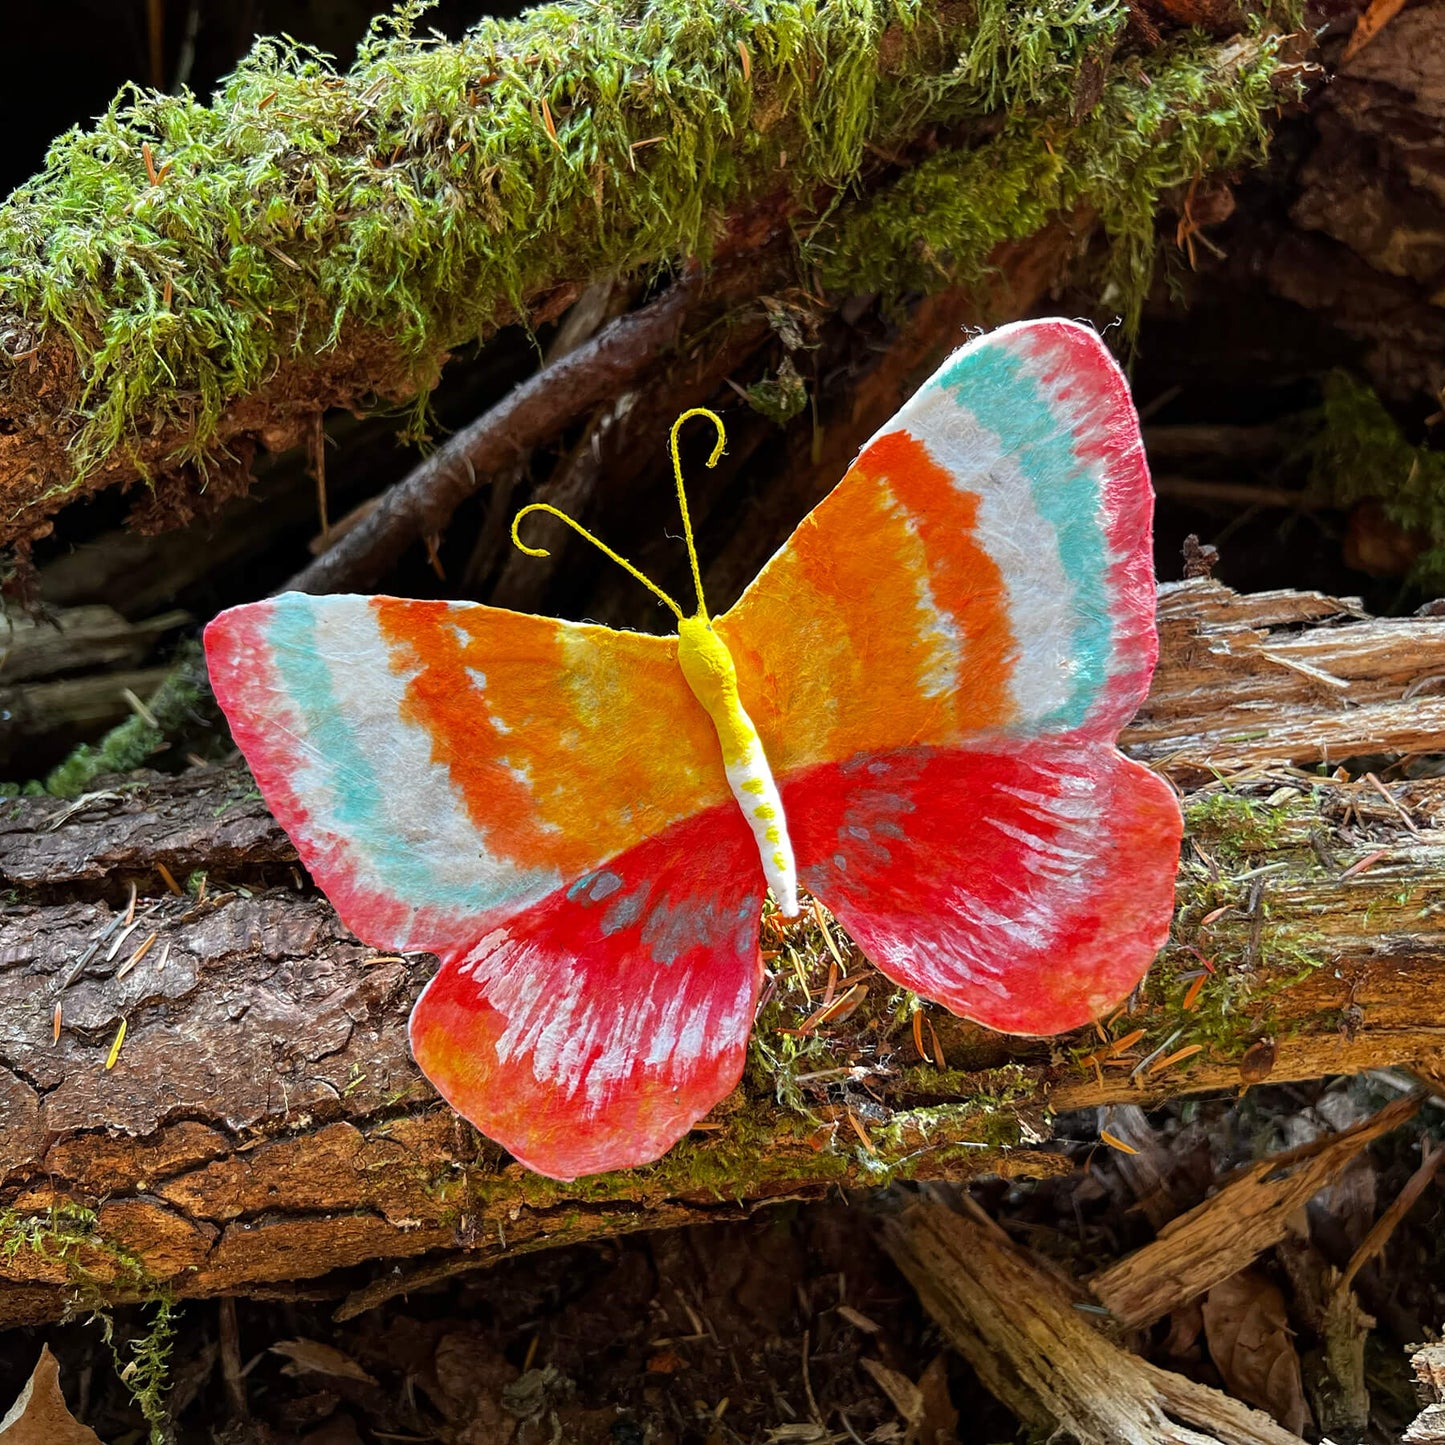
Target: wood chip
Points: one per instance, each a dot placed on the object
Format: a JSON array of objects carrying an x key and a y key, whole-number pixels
[{"x": 1226, "y": 1233}]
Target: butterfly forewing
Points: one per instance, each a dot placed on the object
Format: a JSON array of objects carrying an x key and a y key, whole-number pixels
[
  {"x": 442, "y": 764},
  {"x": 984, "y": 567}
]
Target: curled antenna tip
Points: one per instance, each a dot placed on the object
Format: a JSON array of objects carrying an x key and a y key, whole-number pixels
[{"x": 517, "y": 541}]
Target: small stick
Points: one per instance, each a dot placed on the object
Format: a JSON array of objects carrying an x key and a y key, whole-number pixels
[
  {"x": 1364, "y": 865},
  {"x": 1389, "y": 797},
  {"x": 422, "y": 503},
  {"x": 1400, "y": 1206},
  {"x": 141, "y": 711}
]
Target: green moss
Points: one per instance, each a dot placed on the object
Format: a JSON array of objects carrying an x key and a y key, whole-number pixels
[
  {"x": 143, "y": 1365},
  {"x": 1234, "y": 826},
  {"x": 134, "y": 742},
  {"x": 1360, "y": 452},
  {"x": 779, "y": 398},
  {"x": 1159, "y": 123},
  {"x": 67, "y": 1234},
  {"x": 62, "y": 1234},
  {"x": 1255, "y": 960},
  {"x": 190, "y": 251}
]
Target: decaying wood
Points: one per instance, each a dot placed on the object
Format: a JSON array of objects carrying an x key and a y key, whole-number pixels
[
  {"x": 1429, "y": 1366},
  {"x": 41, "y": 707},
  {"x": 1021, "y": 1331},
  {"x": 1253, "y": 679},
  {"x": 263, "y": 1122},
  {"x": 76, "y": 639},
  {"x": 66, "y": 710},
  {"x": 1226, "y": 1233}
]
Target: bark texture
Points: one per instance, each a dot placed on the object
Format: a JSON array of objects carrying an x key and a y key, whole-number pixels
[{"x": 263, "y": 1123}]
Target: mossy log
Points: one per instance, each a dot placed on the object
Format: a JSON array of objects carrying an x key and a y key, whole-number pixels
[
  {"x": 262, "y": 1122},
  {"x": 186, "y": 282}
]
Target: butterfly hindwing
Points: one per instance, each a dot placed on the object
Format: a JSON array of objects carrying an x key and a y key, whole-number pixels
[
  {"x": 441, "y": 765},
  {"x": 1019, "y": 885},
  {"x": 591, "y": 1030}
]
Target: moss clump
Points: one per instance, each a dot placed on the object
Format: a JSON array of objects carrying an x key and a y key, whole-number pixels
[
  {"x": 1249, "y": 960},
  {"x": 1159, "y": 123},
  {"x": 127, "y": 747},
  {"x": 779, "y": 398},
  {"x": 62, "y": 1234},
  {"x": 1235, "y": 827},
  {"x": 189, "y": 251},
  {"x": 144, "y": 1367},
  {"x": 1360, "y": 453}
]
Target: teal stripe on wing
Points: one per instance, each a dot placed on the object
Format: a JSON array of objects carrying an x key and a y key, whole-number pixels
[{"x": 993, "y": 382}]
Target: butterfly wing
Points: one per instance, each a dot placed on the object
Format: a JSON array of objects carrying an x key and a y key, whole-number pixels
[
  {"x": 544, "y": 805},
  {"x": 1024, "y": 885},
  {"x": 440, "y": 765},
  {"x": 984, "y": 567},
  {"x": 593, "y": 1029},
  {"x": 938, "y": 662}
]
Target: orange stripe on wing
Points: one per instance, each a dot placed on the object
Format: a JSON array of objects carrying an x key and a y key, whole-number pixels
[
  {"x": 965, "y": 582},
  {"x": 839, "y": 643},
  {"x": 564, "y": 754}
]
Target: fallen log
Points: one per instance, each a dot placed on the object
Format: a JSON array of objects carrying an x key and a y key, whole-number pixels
[{"x": 261, "y": 1122}]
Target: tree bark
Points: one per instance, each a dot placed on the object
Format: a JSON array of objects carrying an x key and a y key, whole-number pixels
[{"x": 263, "y": 1122}]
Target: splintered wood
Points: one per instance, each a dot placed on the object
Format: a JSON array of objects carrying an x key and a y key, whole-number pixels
[
  {"x": 1231, "y": 692},
  {"x": 1229, "y": 1231},
  {"x": 1022, "y": 1332},
  {"x": 1429, "y": 1426}
]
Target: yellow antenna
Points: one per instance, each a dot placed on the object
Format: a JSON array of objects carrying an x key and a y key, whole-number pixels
[
  {"x": 622, "y": 561},
  {"x": 596, "y": 542},
  {"x": 717, "y": 451}
]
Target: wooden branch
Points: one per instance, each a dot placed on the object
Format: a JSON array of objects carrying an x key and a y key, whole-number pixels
[
  {"x": 264, "y": 1122},
  {"x": 422, "y": 503},
  {"x": 1019, "y": 1329},
  {"x": 435, "y": 212}
]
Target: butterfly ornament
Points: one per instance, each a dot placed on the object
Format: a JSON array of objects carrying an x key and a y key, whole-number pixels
[{"x": 911, "y": 713}]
